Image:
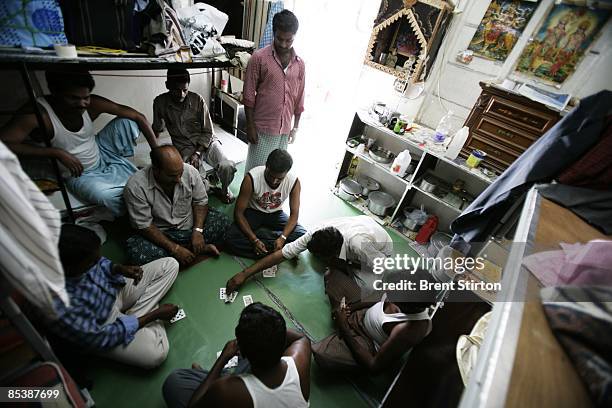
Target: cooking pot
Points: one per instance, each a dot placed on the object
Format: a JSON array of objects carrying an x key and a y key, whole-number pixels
[
  {"x": 368, "y": 185},
  {"x": 379, "y": 202},
  {"x": 381, "y": 155},
  {"x": 349, "y": 189},
  {"x": 427, "y": 186}
]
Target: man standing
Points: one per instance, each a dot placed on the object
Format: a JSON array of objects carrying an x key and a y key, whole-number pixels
[
  {"x": 168, "y": 205},
  {"x": 279, "y": 364},
  {"x": 95, "y": 166},
  {"x": 186, "y": 116},
  {"x": 260, "y": 224},
  {"x": 347, "y": 244},
  {"x": 113, "y": 308},
  {"x": 274, "y": 92}
]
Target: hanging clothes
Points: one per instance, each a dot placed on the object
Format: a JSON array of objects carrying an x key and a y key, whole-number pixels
[
  {"x": 268, "y": 35},
  {"x": 544, "y": 160},
  {"x": 29, "y": 233},
  {"x": 594, "y": 169}
]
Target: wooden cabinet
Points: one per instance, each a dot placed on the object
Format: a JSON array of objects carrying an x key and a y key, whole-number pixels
[{"x": 504, "y": 124}]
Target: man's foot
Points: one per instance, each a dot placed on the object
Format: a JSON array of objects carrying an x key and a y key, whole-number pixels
[
  {"x": 225, "y": 196},
  {"x": 211, "y": 249}
]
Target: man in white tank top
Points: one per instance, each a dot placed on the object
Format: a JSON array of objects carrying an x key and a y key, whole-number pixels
[
  {"x": 260, "y": 224},
  {"x": 96, "y": 168},
  {"x": 279, "y": 368}
]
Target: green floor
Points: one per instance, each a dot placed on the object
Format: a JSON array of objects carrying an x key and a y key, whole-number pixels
[{"x": 297, "y": 289}]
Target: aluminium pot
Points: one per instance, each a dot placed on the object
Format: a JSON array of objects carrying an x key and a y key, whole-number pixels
[
  {"x": 368, "y": 185},
  {"x": 349, "y": 189},
  {"x": 379, "y": 203}
]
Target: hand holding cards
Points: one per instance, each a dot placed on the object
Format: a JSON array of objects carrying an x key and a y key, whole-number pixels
[
  {"x": 227, "y": 299},
  {"x": 179, "y": 315}
]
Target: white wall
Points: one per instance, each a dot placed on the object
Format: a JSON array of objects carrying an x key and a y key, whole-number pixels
[
  {"x": 137, "y": 89},
  {"x": 452, "y": 85}
]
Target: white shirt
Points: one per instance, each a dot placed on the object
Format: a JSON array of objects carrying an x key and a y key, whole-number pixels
[
  {"x": 364, "y": 239},
  {"x": 81, "y": 144},
  {"x": 265, "y": 198},
  {"x": 29, "y": 233},
  {"x": 287, "y": 395}
]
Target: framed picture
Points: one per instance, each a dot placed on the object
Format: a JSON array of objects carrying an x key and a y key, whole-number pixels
[
  {"x": 561, "y": 42},
  {"x": 500, "y": 28},
  {"x": 405, "y": 40}
]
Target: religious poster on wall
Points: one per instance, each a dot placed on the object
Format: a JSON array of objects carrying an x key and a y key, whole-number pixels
[
  {"x": 500, "y": 28},
  {"x": 561, "y": 42}
]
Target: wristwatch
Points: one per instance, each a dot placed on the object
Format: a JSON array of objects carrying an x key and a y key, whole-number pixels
[{"x": 200, "y": 230}]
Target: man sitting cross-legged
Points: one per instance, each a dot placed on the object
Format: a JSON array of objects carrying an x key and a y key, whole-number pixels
[
  {"x": 168, "y": 205},
  {"x": 279, "y": 365},
  {"x": 113, "y": 308},
  {"x": 372, "y": 336},
  {"x": 186, "y": 116},
  {"x": 260, "y": 224}
]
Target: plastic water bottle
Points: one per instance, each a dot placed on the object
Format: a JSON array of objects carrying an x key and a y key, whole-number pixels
[
  {"x": 401, "y": 163},
  {"x": 443, "y": 128},
  {"x": 457, "y": 143}
]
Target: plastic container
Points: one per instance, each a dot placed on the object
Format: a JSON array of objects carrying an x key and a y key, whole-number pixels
[
  {"x": 475, "y": 158},
  {"x": 443, "y": 129},
  {"x": 401, "y": 163},
  {"x": 415, "y": 219},
  {"x": 452, "y": 152}
]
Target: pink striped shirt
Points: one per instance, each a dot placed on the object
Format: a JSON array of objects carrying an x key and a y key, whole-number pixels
[{"x": 275, "y": 95}]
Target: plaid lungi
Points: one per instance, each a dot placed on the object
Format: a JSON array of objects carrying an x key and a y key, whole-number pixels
[{"x": 258, "y": 153}]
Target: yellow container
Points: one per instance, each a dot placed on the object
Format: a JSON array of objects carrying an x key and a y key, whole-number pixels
[{"x": 475, "y": 158}]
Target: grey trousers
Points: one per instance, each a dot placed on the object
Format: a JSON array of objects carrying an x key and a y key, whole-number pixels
[
  {"x": 224, "y": 167},
  {"x": 150, "y": 345},
  {"x": 182, "y": 383}
]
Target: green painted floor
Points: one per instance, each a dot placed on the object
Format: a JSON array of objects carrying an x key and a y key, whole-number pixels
[{"x": 297, "y": 289}]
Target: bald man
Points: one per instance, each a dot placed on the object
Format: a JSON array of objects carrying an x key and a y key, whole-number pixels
[{"x": 168, "y": 205}]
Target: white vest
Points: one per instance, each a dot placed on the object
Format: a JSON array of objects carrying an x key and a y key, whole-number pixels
[
  {"x": 266, "y": 199},
  {"x": 287, "y": 395},
  {"x": 81, "y": 144}
]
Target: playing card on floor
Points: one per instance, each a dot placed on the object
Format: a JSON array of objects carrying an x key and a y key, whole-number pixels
[
  {"x": 270, "y": 272},
  {"x": 248, "y": 299},
  {"x": 222, "y": 293},
  {"x": 178, "y": 316}
]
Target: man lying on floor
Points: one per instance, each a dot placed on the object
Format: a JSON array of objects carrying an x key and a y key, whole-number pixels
[
  {"x": 95, "y": 165},
  {"x": 375, "y": 335},
  {"x": 113, "y": 308},
  {"x": 278, "y": 361},
  {"x": 260, "y": 224},
  {"x": 168, "y": 205},
  {"x": 348, "y": 244}
]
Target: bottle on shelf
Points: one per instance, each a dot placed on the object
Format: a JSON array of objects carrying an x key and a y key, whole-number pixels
[
  {"x": 401, "y": 163},
  {"x": 353, "y": 166},
  {"x": 456, "y": 144},
  {"x": 443, "y": 129}
]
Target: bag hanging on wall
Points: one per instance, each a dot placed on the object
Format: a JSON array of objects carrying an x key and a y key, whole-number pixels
[
  {"x": 104, "y": 23},
  {"x": 202, "y": 25},
  {"x": 36, "y": 23}
]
